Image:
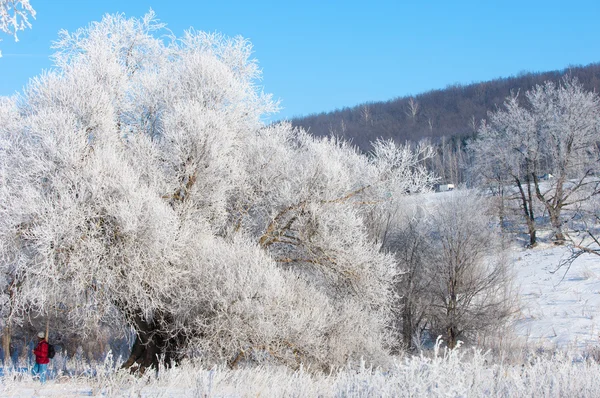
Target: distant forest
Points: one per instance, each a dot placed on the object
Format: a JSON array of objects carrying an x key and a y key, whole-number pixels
[{"x": 440, "y": 116}]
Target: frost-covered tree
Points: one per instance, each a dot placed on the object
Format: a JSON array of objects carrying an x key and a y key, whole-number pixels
[
  {"x": 455, "y": 279},
  {"x": 14, "y": 16},
  {"x": 470, "y": 279},
  {"x": 8, "y": 274},
  {"x": 568, "y": 125},
  {"x": 410, "y": 242},
  {"x": 506, "y": 154},
  {"x": 140, "y": 187},
  {"x": 553, "y": 132}
]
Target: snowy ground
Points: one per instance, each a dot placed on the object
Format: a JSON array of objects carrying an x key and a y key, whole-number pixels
[{"x": 560, "y": 308}]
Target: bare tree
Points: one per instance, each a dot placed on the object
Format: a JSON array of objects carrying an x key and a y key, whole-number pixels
[
  {"x": 412, "y": 109},
  {"x": 470, "y": 277},
  {"x": 411, "y": 244},
  {"x": 366, "y": 114}
]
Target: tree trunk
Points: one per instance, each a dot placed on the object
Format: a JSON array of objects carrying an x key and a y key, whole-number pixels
[
  {"x": 407, "y": 326},
  {"x": 554, "y": 207},
  {"x": 559, "y": 237},
  {"x": 452, "y": 337},
  {"x": 527, "y": 207},
  {"x": 6, "y": 345},
  {"x": 531, "y": 216},
  {"x": 532, "y": 232},
  {"x": 153, "y": 344},
  {"x": 451, "y": 308}
]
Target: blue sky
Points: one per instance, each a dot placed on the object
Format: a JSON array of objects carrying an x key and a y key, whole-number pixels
[{"x": 323, "y": 55}]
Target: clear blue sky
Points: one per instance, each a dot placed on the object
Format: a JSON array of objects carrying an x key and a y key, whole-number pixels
[{"x": 323, "y": 55}]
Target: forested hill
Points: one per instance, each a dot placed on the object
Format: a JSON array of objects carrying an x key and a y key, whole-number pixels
[{"x": 454, "y": 111}]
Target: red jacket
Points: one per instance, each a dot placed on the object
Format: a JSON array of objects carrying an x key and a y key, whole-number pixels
[{"x": 41, "y": 353}]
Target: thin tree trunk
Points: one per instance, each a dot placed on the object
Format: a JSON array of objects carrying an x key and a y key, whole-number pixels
[
  {"x": 527, "y": 206},
  {"x": 6, "y": 336},
  {"x": 451, "y": 307},
  {"x": 559, "y": 237},
  {"x": 532, "y": 232},
  {"x": 407, "y": 325},
  {"x": 553, "y": 207},
  {"x": 452, "y": 337}
]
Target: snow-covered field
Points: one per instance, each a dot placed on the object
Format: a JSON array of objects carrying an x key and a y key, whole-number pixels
[
  {"x": 461, "y": 373},
  {"x": 559, "y": 312},
  {"x": 559, "y": 309}
]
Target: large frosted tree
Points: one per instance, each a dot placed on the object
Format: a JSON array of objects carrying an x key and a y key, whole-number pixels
[
  {"x": 140, "y": 187},
  {"x": 568, "y": 126},
  {"x": 552, "y": 131}
]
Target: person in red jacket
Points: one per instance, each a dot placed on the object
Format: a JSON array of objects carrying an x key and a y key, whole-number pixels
[{"x": 41, "y": 357}]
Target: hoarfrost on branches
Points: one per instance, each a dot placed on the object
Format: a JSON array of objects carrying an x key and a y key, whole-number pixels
[
  {"x": 546, "y": 144},
  {"x": 140, "y": 187},
  {"x": 14, "y": 16}
]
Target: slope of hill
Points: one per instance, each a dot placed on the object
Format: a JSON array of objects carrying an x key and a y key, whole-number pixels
[{"x": 451, "y": 112}]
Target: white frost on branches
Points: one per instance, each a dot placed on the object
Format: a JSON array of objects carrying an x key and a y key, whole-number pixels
[
  {"x": 552, "y": 131},
  {"x": 139, "y": 186},
  {"x": 14, "y": 16}
]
